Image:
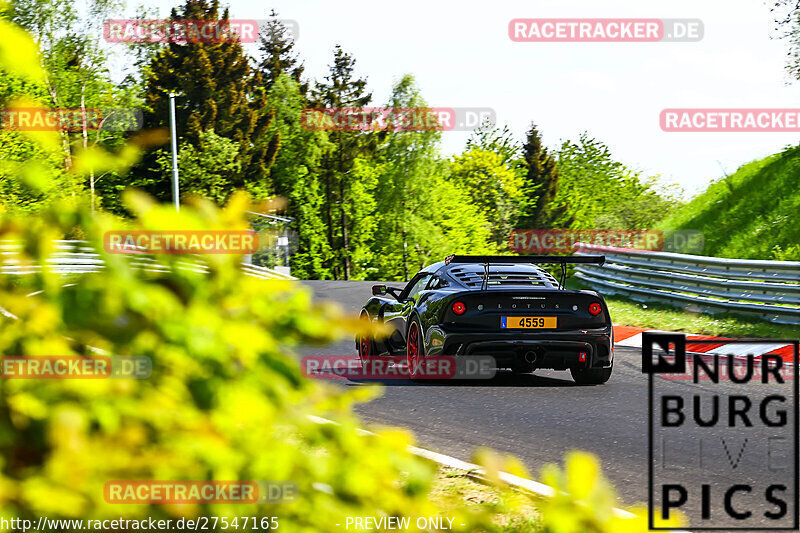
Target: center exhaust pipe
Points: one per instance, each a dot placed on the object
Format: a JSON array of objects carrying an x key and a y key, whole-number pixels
[{"x": 532, "y": 356}]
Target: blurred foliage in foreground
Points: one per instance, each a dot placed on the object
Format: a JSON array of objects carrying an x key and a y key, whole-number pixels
[{"x": 226, "y": 399}]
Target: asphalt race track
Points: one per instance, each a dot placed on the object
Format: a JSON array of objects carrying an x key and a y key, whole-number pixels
[{"x": 537, "y": 417}]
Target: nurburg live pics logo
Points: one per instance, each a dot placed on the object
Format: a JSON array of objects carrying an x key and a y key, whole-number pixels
[{"x": 722, "y": 432}]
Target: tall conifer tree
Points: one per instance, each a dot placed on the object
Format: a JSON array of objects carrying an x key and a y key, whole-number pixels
[
  {"x": 278, "y": 55},
  {"x": 540, "y": 184},
  {"x": 217, "y": 90}
]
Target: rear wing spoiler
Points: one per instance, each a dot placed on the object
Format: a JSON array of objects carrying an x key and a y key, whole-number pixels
[
  {"x": 540, "y": 259},
  {"x": 562, "y": 260}
]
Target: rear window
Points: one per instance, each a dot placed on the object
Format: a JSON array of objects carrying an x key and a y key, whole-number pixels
[{"x": 503, "y": 276}]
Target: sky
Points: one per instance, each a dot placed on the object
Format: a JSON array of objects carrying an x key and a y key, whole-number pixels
[{"x": 461, "y": 56}]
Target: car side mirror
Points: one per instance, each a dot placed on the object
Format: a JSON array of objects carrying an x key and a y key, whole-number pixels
[
  {"x": 379, "y": 290},
  {"x": 383, "y": 290}
]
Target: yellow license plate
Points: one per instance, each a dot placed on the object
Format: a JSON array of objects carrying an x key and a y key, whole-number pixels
[{"x": 528, "y": 322}]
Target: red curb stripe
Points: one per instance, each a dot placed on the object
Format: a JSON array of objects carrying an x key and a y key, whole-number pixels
[
  {"x": 622, "y": 333},
  {"x": 626, "y": 332},
  {"x": 786, "y": 353},
  {"x": 704, "y": 347}
]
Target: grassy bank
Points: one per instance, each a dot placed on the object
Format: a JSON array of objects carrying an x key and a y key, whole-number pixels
[
  {"x": 751, "y": 214},
  {"x": 658, "y": 316}
]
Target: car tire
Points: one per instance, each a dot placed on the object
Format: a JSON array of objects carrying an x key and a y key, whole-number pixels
[
  {"x": 365, "y": 346},
  {"x": 591, "y": 376},
  {"x": 415, "y": 348}
]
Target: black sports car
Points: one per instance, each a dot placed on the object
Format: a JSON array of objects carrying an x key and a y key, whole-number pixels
[{"x": 504, "y": 306}]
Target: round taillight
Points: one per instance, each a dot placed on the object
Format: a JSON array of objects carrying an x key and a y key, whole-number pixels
[
  {"x": 595, "y": 309},
  {"x": 459, "y": 308}
]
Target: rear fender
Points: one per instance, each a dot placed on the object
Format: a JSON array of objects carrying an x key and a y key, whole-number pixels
[{"x": 376, "y": 307}]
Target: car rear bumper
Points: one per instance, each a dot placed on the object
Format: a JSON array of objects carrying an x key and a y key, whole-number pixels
[{"x": 558, "y": 350}]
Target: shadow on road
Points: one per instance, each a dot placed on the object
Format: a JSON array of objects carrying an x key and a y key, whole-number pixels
[{"x": 502, "y": 379}]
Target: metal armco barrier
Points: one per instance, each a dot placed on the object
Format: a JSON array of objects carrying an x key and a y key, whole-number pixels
[
  {"x": 769, "y": 289},
  {"x": 77, "y": 257}
]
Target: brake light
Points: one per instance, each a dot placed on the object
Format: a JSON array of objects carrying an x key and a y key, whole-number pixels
[
  {"x": 595, "y": 309},
  {"x": 459, "y": 308}
]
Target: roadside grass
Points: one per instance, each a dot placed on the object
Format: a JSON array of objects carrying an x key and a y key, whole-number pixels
[
  {"x": 749, "y": 214},
  {"x": 656, "y": 315},
  {"x": 661, "y": 316},
  {"x": 514, "y": 512}
]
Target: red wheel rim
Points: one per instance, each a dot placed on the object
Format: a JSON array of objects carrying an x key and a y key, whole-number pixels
[
  {"x": 363, "y": 348},
  {"x": 364, "y": 344},
  {"x": 412, "y": 349}
]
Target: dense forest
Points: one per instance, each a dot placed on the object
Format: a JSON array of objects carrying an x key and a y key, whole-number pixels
[{"x": 364, "y": 204}]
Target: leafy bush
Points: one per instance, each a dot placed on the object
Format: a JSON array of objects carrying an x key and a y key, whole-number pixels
[
  {"x": 584, "y": 501},
  {"x": 226, "y": 399}
]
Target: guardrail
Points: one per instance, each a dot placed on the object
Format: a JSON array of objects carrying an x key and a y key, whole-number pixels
[
  {"x": 769, "y": 289},
  {"x": 77, "y": 257}
]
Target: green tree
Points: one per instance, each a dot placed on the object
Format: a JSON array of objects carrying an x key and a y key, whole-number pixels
[
  {"x": 501, "y": 141},
  {"x": 493, "y": 188},
  {"x": 408, "y": 168},
  {"x": 217, "y": 90},
  {"x": 601, "y": 192},
  {"x": 422, "y": 215},
  {"x": 139, "y": 55},
  {"x": 76, "y": 76},
  {"x": 278, "y": 56},
  {"x": 206, "y": 170},
  {"x": 540, "y": 208},
  {"x": 342, "y": 89},
  {"x": 361, "y": 213},
  {"x": 296, "y": 177},
  {"x": 17, "y": 149},
  {"x": 451, "y": 224},
  {"x": 787, "y": 13}
]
